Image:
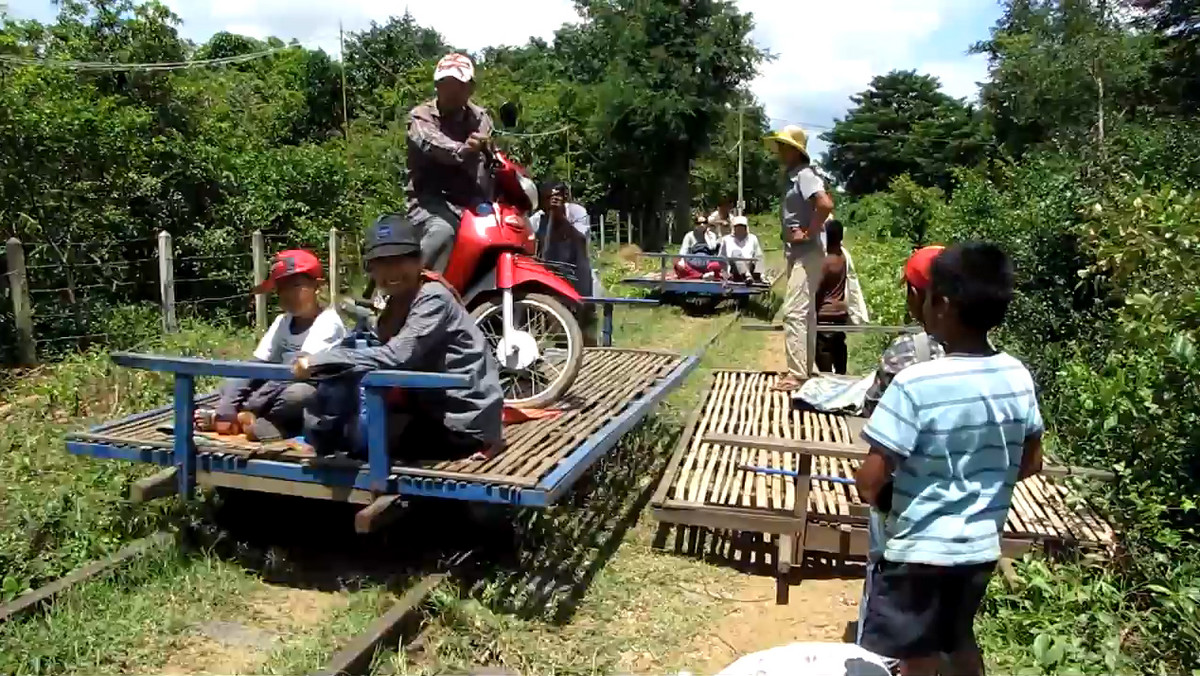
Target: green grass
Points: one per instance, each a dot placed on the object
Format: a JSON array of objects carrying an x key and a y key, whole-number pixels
[{"x": 584, "y": 593}]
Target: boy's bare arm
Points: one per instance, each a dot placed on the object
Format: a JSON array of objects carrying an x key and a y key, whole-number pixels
[
  {"x": 1031, "y": 459},
  {"x": 874, "y": 474}
]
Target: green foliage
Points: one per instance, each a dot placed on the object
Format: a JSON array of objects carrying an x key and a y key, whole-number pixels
[
  {"x": 903, "y": 124},
  {"x": 1054, "y": 65}
]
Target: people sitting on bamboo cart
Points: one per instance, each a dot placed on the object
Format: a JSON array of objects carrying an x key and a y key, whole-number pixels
[
  {"x": 424, "y": 327},
  {"x": 949, "y": 440},
  {"x": 743, "y": 244},
  {"x": 700, "y": 241},
  {"x": 267, "y": 410}
]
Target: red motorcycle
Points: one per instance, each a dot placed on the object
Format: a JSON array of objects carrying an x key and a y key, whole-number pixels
[{"x": 524, "y": 309}]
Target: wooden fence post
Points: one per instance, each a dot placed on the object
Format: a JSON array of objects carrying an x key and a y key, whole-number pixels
[
  {"x": 629, "y": 232},
  {"x": 14, "y": 253},
  {"x": 258, "y": 248},
  {"x": 166, "y": 281},
  {"x": 334, "y": 273}
]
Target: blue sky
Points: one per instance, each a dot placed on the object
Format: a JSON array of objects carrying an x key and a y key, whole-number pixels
[{"x": 826, "y": 50}]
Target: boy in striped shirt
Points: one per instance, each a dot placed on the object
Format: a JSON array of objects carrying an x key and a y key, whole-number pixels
[{"x": 952, "y": 436}]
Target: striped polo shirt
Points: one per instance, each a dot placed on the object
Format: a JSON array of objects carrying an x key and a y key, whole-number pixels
[{"x": 956, "y": 428}]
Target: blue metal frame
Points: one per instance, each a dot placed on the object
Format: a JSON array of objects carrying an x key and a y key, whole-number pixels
[
  {"x": 557, "y": 482},
  {"x": 697, "y": 286},
  {"x": 606, "y": 332},
  {"x": 377, "y": 476}
]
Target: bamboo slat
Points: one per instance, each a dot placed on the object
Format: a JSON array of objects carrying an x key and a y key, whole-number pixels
[{"x": 742, "y": 403}]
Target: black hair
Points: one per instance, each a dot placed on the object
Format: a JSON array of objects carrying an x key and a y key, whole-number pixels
[
  {"x": 834, "y": 233},
  {"x": 977, "y": 278},
  {"x": 554, "y": 184}
]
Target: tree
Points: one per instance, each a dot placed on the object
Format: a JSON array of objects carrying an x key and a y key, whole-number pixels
[
  {"x": 390, "y": 65},
  {"x": 714, "y": 173},
  {"x": 672, "y": 68},
  {"x": 1062, "y": 73},
  {"x": 903, "y": 124},
  {"x": 1177, "y": 27}
]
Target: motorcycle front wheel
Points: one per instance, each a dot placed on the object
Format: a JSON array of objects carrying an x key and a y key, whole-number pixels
[{"x": 558, "y": 339}]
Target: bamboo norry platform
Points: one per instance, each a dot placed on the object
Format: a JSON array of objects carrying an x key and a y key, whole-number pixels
[{"x": 705, "y": 485}]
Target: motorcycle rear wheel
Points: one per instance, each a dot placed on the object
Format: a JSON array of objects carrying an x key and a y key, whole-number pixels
[{"x": 527, "y": 388}]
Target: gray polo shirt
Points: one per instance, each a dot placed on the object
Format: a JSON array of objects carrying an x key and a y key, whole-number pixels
[{"x": 803, "y": 183}]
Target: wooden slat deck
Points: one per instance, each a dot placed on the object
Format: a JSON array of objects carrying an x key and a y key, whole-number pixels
[
  {"x": 705, "y": 477},
  {"x": 609, "y": 382}
]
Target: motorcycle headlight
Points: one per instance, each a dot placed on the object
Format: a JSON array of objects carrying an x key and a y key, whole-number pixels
[{"x": 531, "y": 192}]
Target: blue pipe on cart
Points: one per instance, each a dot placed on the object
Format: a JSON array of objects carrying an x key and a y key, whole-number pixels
[{"x": 788, "y": 472}]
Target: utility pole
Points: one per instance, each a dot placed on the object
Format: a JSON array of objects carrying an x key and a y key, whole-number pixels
[
  {"x": 345, "y": 112},
  {"x": 741, "y": 202}
]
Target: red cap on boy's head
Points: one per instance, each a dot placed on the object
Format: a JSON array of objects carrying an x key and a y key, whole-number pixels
[
  {"x": 290, "y": 262},
  {"x": 917, "y": 269}
]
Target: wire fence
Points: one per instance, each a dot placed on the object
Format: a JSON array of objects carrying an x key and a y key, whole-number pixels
[{"x": 118, "y": 292}]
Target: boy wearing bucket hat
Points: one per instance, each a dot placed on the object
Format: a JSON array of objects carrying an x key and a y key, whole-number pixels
[
  {"x": 805, "y": 207},
  {"x": 424, "y": 327},
  {"x": 266, "y": 409},
  {"x": 446, "y": 171}
]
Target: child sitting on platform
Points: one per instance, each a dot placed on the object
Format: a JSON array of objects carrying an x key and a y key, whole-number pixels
[
  {"x": 424, "y": 327},
  {"x": 266, "y": 410},
  {"x": 952, "y": 436}
]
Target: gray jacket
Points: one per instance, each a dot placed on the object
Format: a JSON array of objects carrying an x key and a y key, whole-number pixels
[{"x": 439, "y": 336}]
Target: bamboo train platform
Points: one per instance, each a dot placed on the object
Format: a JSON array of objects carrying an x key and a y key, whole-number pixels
[
  {"x": 541, "y": 460},
  {"x": 704, "y": 485}
]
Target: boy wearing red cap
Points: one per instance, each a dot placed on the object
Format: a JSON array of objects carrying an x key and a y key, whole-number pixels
[
  {"x": 264, "y": 409},
  {"x": 908, "y": 349}
]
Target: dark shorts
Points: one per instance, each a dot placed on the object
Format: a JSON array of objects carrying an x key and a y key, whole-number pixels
[{"x": 916, "y": 610}]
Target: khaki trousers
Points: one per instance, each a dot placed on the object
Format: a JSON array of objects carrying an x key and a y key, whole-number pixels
[{"x": 800, "y": 309}]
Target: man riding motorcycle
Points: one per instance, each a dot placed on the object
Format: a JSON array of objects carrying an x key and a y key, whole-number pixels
[{"x": 446, "y": 168}]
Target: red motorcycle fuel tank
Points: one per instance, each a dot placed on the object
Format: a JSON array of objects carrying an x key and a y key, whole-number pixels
[{"x": 485, "y": 231}]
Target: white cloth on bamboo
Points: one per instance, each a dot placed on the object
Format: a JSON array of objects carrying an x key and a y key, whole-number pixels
[
  {"x": 855, "y": 299},
  {"x": 810, "y": 659},
  {"x": 831, "y": 393}
]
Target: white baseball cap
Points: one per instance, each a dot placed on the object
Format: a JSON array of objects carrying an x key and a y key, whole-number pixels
[
  {"x": 741, "y": 220},
  {"x": 457, "y": 66}
]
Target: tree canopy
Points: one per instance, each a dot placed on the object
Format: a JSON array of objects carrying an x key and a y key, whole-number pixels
[{"x": 903, "y": 124}]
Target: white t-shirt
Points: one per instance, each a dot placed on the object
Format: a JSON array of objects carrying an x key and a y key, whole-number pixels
[
  {"x": 689, "y": 241},
  {"x": 810, "y": 659},
  {"x": 281, "y": 346},
  {"x": 748, "y": 248},
  {"x": 576, "y": 214}
]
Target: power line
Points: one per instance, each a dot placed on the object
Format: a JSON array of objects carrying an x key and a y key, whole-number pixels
[
  {"x": 108, "y": 66},
  {"x": 501, "y": 132},
  {"x": 894, "y": 135}
]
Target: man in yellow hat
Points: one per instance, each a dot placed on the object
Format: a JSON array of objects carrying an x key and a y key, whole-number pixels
[{"x": 806, "y": 206}]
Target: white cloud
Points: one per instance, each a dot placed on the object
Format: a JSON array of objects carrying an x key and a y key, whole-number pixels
[
  {"x": 470, "y": 24},
  {"x": 831, "y": 50}
]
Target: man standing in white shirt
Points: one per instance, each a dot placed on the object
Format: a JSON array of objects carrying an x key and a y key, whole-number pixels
[
  {"x": 743, "y": 244},
  {"x": 564, "y": 236},
  {"x": 719, "y": 220}
]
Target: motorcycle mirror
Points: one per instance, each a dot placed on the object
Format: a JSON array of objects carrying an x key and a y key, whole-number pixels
[{"x": 508, "y": 114}]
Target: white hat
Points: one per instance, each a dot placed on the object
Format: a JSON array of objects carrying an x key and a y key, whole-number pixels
[
  {"x": 457, "y": 66},
  {"x": 741, "y": 220}
]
